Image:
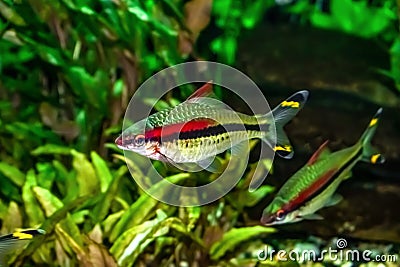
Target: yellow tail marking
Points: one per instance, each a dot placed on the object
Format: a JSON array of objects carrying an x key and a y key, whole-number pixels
[
  {"x": 373, "y": 122},
  {"x": 374, "y": 158},
  {"x": 283, "y": 148},
  {"x": 292, "y": 104},
  {"x": 22, "y": 236}
]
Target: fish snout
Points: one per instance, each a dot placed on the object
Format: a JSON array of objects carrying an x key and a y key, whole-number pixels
[{"x": 267, "y": 219}]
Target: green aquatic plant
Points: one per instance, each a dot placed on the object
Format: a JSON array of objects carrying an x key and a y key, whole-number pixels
[
  {"x": 366, "y": 19},
  {"x": 231, "y": 16},
  {"x": 79, "y": 61},
  {"x": 67, "y": 71},
  {"x": 94, "y": 214},
  {"x": 360, "y": 18}
]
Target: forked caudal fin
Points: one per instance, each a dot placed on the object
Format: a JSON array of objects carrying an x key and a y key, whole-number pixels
[
  {"x": 282, "y": 114},
  {"x": 370, "y": 154},
  {"x": 11, "y": 242}
]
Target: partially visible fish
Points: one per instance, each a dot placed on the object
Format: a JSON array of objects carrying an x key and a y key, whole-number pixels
[
  {"x": 200, "y": 128},
  {"x": 11, "y": 242},
  {"x": 313, "y": 186}
]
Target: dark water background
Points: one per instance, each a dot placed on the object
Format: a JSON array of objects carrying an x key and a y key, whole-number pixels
[{"x": 345, "y": 91}]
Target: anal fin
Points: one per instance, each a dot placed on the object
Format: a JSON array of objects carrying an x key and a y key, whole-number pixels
[
  {"x": 335, "y": 199},
  {"x": 212, "y": 164}
]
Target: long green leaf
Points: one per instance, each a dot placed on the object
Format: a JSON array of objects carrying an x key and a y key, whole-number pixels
[
  {"x": 12, "y": 173},
  {"x": 13, "y": 218},
  {"x": 140, "y": 210},
  {"x": 32, "y": 208},
  {"x": 49, "y": 225},
  {"x": 249, "y": 199},
  {"x": 133, "y": 242},
  {"x": 47, "y": 200},
  {"x": 100, "y": 211},
  {"x": 51, "y": 149},
  {"x": 10, "y": 15},
  {"x": 70, "y": 240},
  {"x": 235, "y": 237},
  {"x": 102, "y": 171},
  {"x": 51, "y": 204},
  {"x": 86, "y": 176}
]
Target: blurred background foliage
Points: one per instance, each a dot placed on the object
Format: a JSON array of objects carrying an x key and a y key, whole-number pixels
[{"x": 68, "y": 69}]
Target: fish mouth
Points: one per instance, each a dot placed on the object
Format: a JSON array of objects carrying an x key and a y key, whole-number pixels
[
  {"x": 41, "y": 231},
  {"x": 119, "y": 142},
  {"x": 268, "y": 220}
]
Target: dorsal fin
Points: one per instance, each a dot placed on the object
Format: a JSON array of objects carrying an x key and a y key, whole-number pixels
[
  {"x": 204, "y": 91},
  {"x": 321, "y": 152},
  {"x": 205, "y": 95}
]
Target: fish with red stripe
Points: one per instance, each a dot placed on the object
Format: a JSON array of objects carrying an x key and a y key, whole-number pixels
[
  {"x": 202, "y": 127},
  {"x": 313, "y": 186}
]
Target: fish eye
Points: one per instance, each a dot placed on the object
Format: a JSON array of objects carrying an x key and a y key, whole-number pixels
[
  {"x": 139, "y": 140},
  {"x": 280, "y": 215}
]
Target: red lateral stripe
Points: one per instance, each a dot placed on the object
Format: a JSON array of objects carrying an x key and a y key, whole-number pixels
[
  {"x": 175, "y": 129},
  {"x": 314, "y": 187}
]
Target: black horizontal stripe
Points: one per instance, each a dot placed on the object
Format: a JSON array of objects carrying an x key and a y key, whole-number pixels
[
  {"x": 15, "y": 235},
  {"x": 214, "y": 131}
]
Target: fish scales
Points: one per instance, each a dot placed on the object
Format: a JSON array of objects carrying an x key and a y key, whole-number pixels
[
  {"x": 201, "y": 127},
  {"x": 183, "y": 150},
  {"x": 195, "y": 111},
  {"x": 226, "y": 129}
]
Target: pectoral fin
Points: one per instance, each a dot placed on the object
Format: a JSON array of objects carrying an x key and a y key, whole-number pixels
[
  {"x": 335, "y": 199},
  {"x": 212, "y": 164},
  {"x": 241, "y": 149},
  {"x": 240, "y": 155}
]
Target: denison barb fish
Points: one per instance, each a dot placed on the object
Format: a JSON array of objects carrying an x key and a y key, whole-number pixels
[
  {"x": 200, "y": 128},
  {"x": 11, "y": 242},
  {"x": 313, "y": 186}
]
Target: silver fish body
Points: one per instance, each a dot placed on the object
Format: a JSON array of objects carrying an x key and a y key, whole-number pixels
[{"x": 202, "y": 127}]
